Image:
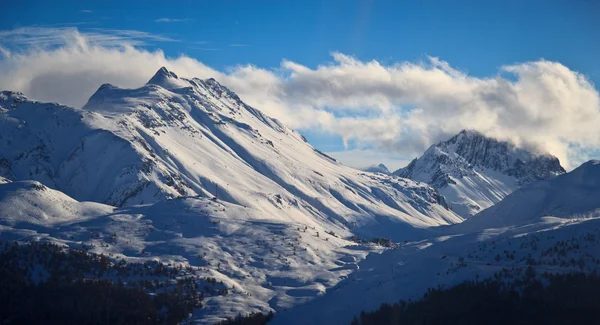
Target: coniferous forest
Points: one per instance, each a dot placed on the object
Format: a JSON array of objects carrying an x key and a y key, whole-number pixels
[
  {"x": 533, "y": 299},
  {"x": 43, "y": 283}
]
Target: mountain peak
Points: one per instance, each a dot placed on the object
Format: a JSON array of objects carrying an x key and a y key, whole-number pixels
[
  {"x": 167, "y": 79},
  {"x": 11, "y": 99},
  {"x": 164, "y": 72},
  {"x": 475, "y": 171},
  {"x": 468, "y": 134}
]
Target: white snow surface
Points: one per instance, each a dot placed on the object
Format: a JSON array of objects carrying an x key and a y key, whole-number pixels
[
  {"x": 474, "y": 172},
  {"x": 553, "y": 225},
  {"x": 569, "y": 194},
  {"x": 408, "y": 271},
  {"x": 265, "y": 264},
  {"x": 305, "y": 273}
]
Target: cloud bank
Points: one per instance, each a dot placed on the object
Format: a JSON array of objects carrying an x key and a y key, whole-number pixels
[{"x": 400, "y": 108}]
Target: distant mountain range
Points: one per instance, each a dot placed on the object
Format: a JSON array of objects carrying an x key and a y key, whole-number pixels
[{"x": 381, "y": 168}]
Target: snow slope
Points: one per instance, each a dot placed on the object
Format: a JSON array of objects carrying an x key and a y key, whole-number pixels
[
  {"x": 32, "y": 202},
  {"x": 474, "y": 172},
  {"x": 552, "y": 226},
  {"x": 308, "y": 275},
  {"x": 566, "y": 195},
  {"x": 178, "y": 137},
  {"x": 554, "y": 245},
  {"x": 264, "y": 264}
]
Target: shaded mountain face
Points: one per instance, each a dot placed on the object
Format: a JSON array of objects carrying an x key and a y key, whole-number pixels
[
  {"x": 569, "y": 195},
  {"x": 177, "y": 137},
  {"x": 381, "y": 168},
  {"x": 474, "y": 172}
]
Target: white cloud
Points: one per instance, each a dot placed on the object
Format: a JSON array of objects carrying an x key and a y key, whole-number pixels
[
  {"x": 399, "y": 109},
  {"x": 86, "y": 11}
]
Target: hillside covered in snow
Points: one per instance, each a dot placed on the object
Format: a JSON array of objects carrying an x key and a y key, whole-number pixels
[
  {"x": 175, "y": 137},
  {"x": 550, "y": 226},
  {"x": 570, "y": 194},
  {"x": 473, "y": 172},
  {"x": 184, "y": 172}
]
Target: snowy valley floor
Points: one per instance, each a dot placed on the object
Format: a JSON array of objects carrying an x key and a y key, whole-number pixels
[{"x": 307, "y": 275}]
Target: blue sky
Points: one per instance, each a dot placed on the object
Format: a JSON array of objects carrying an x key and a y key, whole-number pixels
[{"x": 474, "y": 37}]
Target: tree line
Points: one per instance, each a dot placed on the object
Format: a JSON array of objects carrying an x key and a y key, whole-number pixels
[
  {"x": 532, "y": 299},
  {"x": 43, "y": 283}
]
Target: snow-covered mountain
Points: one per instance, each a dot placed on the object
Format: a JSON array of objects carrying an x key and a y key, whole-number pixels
[
  {"x": 551, "y": 226},
  {"x": 265, "y": 264},
  {"x": 473, "y": 172},
  {"x": 381, "y": 168},
  {"x": 190, "y": 137},
  {"x": 570, "y": 194},
  {"x": 183, "y": 171}
]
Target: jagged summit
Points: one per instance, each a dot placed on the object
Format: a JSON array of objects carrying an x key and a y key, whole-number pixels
[
  {"x": 161, "y": 74},
  {"x": 167, "y": 79},
  {"x": 479, "y": 150},
  {"x": 475, "y": 171},
  {"x": 11, "y": 99}
]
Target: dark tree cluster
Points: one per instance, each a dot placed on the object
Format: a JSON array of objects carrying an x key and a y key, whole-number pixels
[
  {"x": 43, "y": 283},
  {"x": 548, "y": 299},
  {"x": 250, "y": 319},
  {"x": 386, "y": 242}
]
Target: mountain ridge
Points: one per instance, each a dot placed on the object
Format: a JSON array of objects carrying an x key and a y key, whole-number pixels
[
  {"x": 140, "y": 146},
  {"x": 563, "y": 196},
  {"x": 474, "y": 171},
  {"x": 379, "y": 168}
]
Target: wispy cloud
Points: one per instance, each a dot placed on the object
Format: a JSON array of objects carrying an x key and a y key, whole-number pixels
[
  {"x": 172, "y": 20},
  {"x": 238, "y": 45},
  {"x": 86, "y": 11},
  {"x": 57, "y": 36},
  {"x": 204, "y": 48}
]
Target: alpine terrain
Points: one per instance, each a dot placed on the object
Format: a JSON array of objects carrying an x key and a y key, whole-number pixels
[
  {"x": 180, "y": 191},
  {"x": 473, "y": 172},
  {"x": 183, "y": 171},
  {"x": 381, "y": 168},
  {"x": 547, "y": 227}
]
